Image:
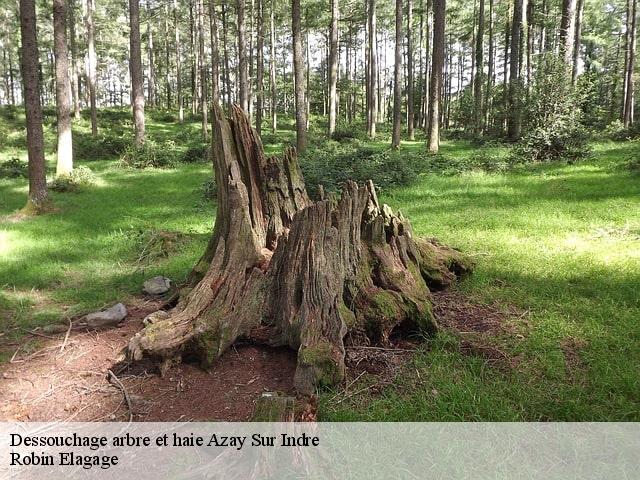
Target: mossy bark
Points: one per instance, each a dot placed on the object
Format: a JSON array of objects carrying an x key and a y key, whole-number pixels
[{"x": 310, "y": 271}]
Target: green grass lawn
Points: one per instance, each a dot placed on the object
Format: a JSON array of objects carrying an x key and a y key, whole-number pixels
[{"x": 559, "y": 242}]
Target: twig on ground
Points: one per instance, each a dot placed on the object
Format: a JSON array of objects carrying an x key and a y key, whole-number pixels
[
  {"x": 66, "y": 337},
  {"x": 13, "y": 357},
  {"x": 38, "y": 334},
  {"x": 114, "y": 380},
  {"x": 383, "y": 349}
]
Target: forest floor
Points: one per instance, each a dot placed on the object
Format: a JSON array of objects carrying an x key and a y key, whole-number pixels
[{"x": 545, "y": 329}]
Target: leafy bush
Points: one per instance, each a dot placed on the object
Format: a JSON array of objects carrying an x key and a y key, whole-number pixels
[
  {"x": 162, "y": 116},
  {"x": 103, "y": 145},
  {"x": 209, "y": 190},
  {"x": 617, "y": 131},
  {"x": 14, "y": 168},
  {"x": 150, "y": 154},
  {"x": 633, "y": 165},
  {"x": 195, "y": 153},
  {"x": 79, "y": 177},
  {"x": 553, "y": 124}
]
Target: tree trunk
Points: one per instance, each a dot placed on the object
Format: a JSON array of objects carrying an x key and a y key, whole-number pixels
[
  {"x": 135, "y": 69},
  {"x": 91, "y": 64},
  {"x": 215, "y": 54},
  {"x": 204, "y": 107},
  {"x": 286, "y": 270},
  {"x": 227, "y": 80},
  {"x": 479, "y": 83},
  {"x": 333, "y": 65},
  {"x": 260, "y": 67},
  {"x": 488, "y": 100},
  {"x": 298, "y": 67},
  {"x": 272, "y": 70},
  {"x": 242, "y": 57},
  {"x": 75, "y": 84},
  {"x": 514, "y": 114},
  {"x": 38, "y": 196},
  {"x": 410, "y": 92},
  {"x": 631, "y": 46},
  {"x": 63, "y": 89},
  {"x": 567, "y": 31},
  {"x": 577, "y": 41},
  {"x": 152, "y": 79},
  {"x": 397, "y": 78},
  {"x": 178, "y": 63},
  {"x": 372, "y": 97},
  {"x": 435, "y": 88}
]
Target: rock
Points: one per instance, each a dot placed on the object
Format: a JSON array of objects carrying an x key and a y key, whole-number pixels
[
  {"x": 55, "y": 328},
  {"x": 107, "y": 318},
  {"x": 157, "y": 286},
  {"x": 154, "y": 317}
]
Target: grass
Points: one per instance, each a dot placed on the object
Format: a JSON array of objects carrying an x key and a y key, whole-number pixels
[{"x": 560, "y": 242}]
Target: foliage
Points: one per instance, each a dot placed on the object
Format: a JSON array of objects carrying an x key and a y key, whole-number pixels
[
  {"x": 103, "y": 146},
  {"x": 151, "y": 155},
  {"x": 79, "y": 177},
  {"x": 209, "y": 190},
  {"x": 553, "y": 128},
  {"x": 14, "y": 168},
  {"x": 196, "y": 152}
]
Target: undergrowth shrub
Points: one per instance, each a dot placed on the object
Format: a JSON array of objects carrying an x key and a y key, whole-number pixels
[
  {"x": 196, "y": 152},
  {"x": 209, "y": 190},
  {"x": 79, "y": 177},
  {"x": 151, "y": 154},
  {"x": 14, "y": 168},
  {"x": 102, "y": 146}
]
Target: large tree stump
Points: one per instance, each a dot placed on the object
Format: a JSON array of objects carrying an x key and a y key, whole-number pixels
[{"x": 306, "y": 273}]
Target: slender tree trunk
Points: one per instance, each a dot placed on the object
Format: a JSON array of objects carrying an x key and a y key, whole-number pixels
[
  {"x": 333, "y": 65},
  {"x": 272, "y": 70},
  {"x": 505, "y": 68},
  {"x": 152, "y": 76},
  {"x": 75, "y": 84},
  {"x": 427, "y": 65},
  {"x": 397, "y": 78},
  {"x": 91, "y": 64},
  {"x": 38, "y": 195},
  {"x": 433, "y": 132},
  {"x": 410, "y": 90},
  {"x": 167, "y": 58},
  {"x": 487, "y": 106},
  {"x": 193, "y": 57},
  {"x": 260, "y": 67},
  {"x": 298, "y": 67},
  {"x": 227, "y": 71},
  {"x": 478, "y": 85},
  {"x": 135, "y": 69},
  {"x": 629, "y": 93},
  {"x": 242, "y": 57},
  {"x": 577, "y": 41},
  {"x": 567, "y": 31},
  {"x": 176, "y": 32},
  {"x": 514, "y": 112},
  {"x": 215, "y": 56},
  {"x": 63, "y": 89},
  {"x": 204, "y": 107},
  {"x": 372, "y": 100}
]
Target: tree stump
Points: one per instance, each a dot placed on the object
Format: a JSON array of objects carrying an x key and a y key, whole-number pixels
[{"x": 302, "y": 273}]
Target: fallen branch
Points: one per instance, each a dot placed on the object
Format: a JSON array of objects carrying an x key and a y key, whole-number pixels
[
  {"x": 115, "y": 381},
  {"x": 66, "y": 336}
]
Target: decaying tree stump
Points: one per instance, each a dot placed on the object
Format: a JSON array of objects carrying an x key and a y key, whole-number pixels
[{"x": 306, "y": 272}]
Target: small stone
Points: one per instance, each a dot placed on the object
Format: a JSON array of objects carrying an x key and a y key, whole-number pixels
[
  {"x": 107, "y": 318},
  {"x": 55, "y": 328},
  {"x": 157, "y": 286}
]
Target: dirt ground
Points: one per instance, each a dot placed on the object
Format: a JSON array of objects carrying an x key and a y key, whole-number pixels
[{"x": 72, "y": 384}]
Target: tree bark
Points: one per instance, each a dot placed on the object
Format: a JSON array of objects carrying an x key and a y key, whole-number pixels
[
  {"x": 631, "y": 47},
  {"x": 298, "y": 67},
  {"x": 91, "y": 64},
  {"x": 38, "y": 195},
  {"x": 577, "y": 41},
  {"x": 64, "y": 165},
  {"x": 514, "y": 116},
  {"x": 372, "y": 97},
  {"x": 260, "y": 66},
  {"x": 410, "y": 91},
  {"x": 242, "y": 57},
  {"x": 204, "y": 107},
  {"x": 478, "y": 85},
  {"x": 333, "y": 65},
  {"x": 286, "y": 270},
  {"x": 567, "y": 31},
  {"x": 215, "y": 54},
  {"x": 152, "y": 78},
  {"x": 272, "y": 70},
  {"x": 397, "y": 78},
  {"x": 135, "y": 70},
  {"x": 176, "y": 31},
  {"x": 75, "y": 83},
  {"x": 435, "y": 88}
]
